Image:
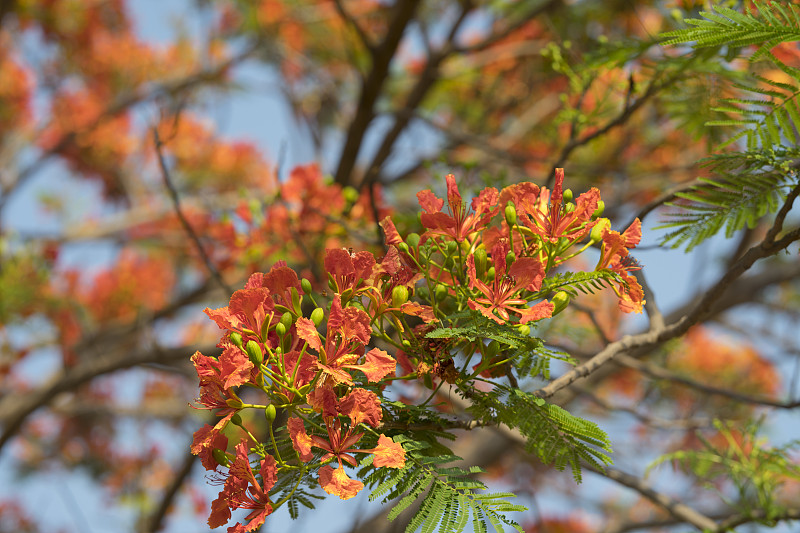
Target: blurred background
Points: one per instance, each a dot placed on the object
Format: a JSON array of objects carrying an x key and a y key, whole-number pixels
[{"x": 153, "y": 154}]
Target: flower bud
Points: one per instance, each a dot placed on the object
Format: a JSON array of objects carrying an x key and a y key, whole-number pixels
[
  {"x": 236, "y": 338},
  {"x": 295, "y": 301},
  {"x": 511, "y": 214},
  {"x": 403, "y": 247},
  {"x": 317, "y": 315},
  {"x": 270, "y": 413},
  {"x": 480, "y": 257},
  {"x": 569, "y": 207},
  {"x": 399, "y": 295},
  {"x": 219, "y": 456},
  {"x": 510, "y": 258},
  {"x": 254, "y": 352},
  {"x": 560, "y": 301},
  {"x": 306, "y": 286},
  {"x": 440, "y": 292},
  {"x": 599, "y": 229},
  {"x": 280, "y": 329},
  {"x": 236, "y": 420},
  {"x": 287, "y": 319},
  {"x": 524, "y": 329},
  {"x": 412, "y": 240},
  {"x": 350, "y": 194},
  {"x": 452, "y": 246},
  {"x": 601, "y": 206},
  {"x": 490, "y": 273},
  {"x": 406, "y": 344},
  {"x": 567, "y": 195}
]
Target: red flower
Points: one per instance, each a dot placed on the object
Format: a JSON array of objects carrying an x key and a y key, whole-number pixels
[
  {"x": 243, "y": 491},
  {"x": 348, "y": 271},
  {"x": 551, "y": 222},
  {"x": 503, "y": 295},
  {"x": 614, "y": 256},
  {"x": 461, "y": 222}
]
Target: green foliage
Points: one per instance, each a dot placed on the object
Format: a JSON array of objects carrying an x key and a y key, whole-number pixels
[
  {"x": 553, "y": 434},
  {"x": 574, "y": 282},
  {"x": 738, "y": 456},
  {"x": 449, "y": 495},
  {"x": 771, "y": 24},
  {"x": 746, "y": 187}
]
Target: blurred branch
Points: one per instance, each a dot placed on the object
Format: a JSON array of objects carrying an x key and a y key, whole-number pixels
[
  {"x": 177, "y": 205},
  {"x": 371, "y": 87},
  {"x": 351, "y": 21},
  {"x": 156, "y": 521},
  {"x": 658, "y": 372},
  {"x": 14, "y": 409},
  {"x": 123, "y": 103}
]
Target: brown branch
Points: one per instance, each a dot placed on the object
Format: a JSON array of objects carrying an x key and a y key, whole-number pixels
[
  {"x": 658, "y": 335},
  {"x": 173, "y": 192},
  {"x": 371, "y": 87},
  {"x": 427, "y": 79},
  {"x": 658, "y": 372},
  {"x": 14, "y": 409},
  {"x": 351, "y": 21},
  {"x": 155, "y": 522}
]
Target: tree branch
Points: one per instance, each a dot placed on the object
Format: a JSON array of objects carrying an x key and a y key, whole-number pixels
[{"x": 371, "y": 88}]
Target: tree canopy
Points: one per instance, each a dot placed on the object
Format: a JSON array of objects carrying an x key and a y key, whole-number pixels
[{"x": 436, "y": 279}]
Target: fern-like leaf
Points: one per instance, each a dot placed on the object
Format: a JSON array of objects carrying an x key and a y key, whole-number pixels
[
  {"x": 767, "y": 26},
  {"x": 447, "y": 495},
  {"x": 747, "y": 187}
]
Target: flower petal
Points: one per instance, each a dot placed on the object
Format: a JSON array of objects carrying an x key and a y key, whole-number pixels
[
  {"x": 362, "y": 405},
  {"x": 301, "y": 442},
  {"x": 336, "y": 482},
  {"x": 307, "y": 331},
  {"x": 389, "y": 453},
  {"x": 377, "y": 365}
]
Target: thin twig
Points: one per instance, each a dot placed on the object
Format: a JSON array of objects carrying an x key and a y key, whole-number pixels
[{"x": 178, "y": 211}]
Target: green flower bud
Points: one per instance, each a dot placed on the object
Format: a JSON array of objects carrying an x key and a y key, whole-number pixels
[
  {"x": 295, "y": 301},
  {"x": 480, "y": 257},
  {"x": 560, "y": 301},
  {"x": 490, "y": 273},
  {"x": 412, "y": 240},
  {"x": 254, "y": 352},
  {"x": 599, "y": 229},
  {"x": 280, "y": 329},
  {"x": 510, "y": 258},
  {"x": 287, "y": 319},
  {"x": 569, "y": 207},
  {"x": 236, "y": 420},
  {"x": 270, "y": 412},
  {"x": 511, "y": 214},
  {"x": 406, "y": 344},
  {"x": 524, "y": 329},
  {"x": 219, "y": 456},
  {"x": 317, "y": 315},
  {"x": 601, "y": 206},
  {"x": 452, "y": 246},
  {"x": 403, "y": 247},
  {"x": 449, "y": 263},
  {"x": 399, "y": 295},
  {"x": 440, "y": 292},
  {"x": 306, "y": 286},
  {"x": 350, "y": 194},
  {"x": 236, "y": 338},
  {"x": 567, "y": 195}
]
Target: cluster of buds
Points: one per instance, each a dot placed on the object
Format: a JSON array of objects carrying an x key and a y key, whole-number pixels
[{"x": 321, "y": 367}]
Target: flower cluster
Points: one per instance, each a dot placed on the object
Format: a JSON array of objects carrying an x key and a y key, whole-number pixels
[{"x": 323, "y": 369}]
